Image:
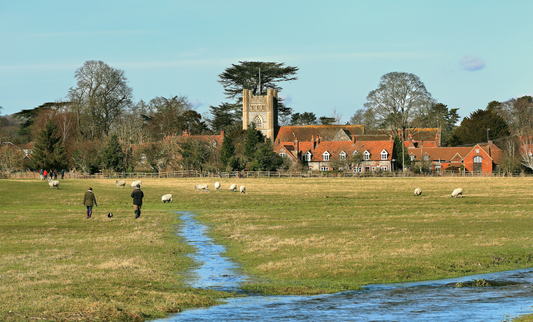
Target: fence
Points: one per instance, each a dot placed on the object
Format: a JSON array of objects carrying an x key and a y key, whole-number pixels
[{"x": 256, "y": 174}]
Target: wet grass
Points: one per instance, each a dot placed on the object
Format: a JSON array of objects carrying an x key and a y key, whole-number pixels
[{"x": 294, "y": 236}]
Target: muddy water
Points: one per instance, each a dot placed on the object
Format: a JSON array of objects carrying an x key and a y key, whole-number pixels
[{"x": 424, "y": 301}]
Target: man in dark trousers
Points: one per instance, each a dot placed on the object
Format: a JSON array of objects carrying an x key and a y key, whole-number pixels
[
  {"x": 89, "y": 200},
  {"x": 137, "y": 196}
]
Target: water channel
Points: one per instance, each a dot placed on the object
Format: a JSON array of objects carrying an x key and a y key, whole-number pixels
[{"x": 422, "y": 301}]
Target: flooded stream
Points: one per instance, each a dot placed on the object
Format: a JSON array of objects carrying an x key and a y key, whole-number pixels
[{"x": 422, "y": 301}]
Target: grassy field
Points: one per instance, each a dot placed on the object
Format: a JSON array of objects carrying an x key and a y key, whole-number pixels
[{"x": 294, "y": 236}]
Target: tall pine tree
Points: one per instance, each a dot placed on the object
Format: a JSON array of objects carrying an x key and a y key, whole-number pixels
[
  {"x": 113, "y": 156},
  {"x": 253, "y": 138},
  {"x": 49, "y": 152},
  {"x": 227, "y": 151}
]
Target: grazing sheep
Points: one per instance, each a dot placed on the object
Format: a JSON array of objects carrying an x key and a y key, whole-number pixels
[
  {"x": 53, "y": 183},
  {"x": 135, "y": 183},
  {"x": 457, "y": 192},
  {"x": 217, "y": 185},
  {"x": 167, "y": 198},
  {"x": 200, "y": 187},
  {"x": 418, "y": 192},
  {"x": 233, "y": 187},
  {"x": 242, "y": 189},
  {"x": 121, "y": 183}
]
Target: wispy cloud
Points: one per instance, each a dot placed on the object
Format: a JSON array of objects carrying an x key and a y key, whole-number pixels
[
  {"x": 472, "y": 63},
  {"x": 196, "y": 103},
  {"x": 287, "y": 99}
]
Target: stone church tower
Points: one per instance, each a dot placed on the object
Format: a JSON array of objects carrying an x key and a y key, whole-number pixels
[{"x": 261, "y": 110}]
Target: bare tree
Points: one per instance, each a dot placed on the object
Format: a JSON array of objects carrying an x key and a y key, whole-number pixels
[
  {"x": 526, "y": 152},
  {"x": 11, "y": 158},
  {"x": 517, "y": 113},
  {"x": 100, "y": 96},
  {"x": 398, "y": 99}
]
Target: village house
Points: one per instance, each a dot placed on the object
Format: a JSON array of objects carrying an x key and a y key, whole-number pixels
[{"x": 480, "y": 158}]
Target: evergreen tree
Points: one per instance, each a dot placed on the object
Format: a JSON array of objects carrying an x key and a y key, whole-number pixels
[
  {"x": 401, "y": 153},
  {"x": 227, "y": 151},
  {"x": 253, "y": 138},
  {"x": 49, "y": 152},
  {"x": 113, "y": 156},
  {"x": 265, "y": 157}
]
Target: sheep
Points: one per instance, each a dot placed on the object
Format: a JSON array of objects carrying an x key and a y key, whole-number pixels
[
  {"x": 167, "y": 198},
  {"x": 242, "y": 189},
  {"x": 135, "y": 183},
  {"x": 53, "y": 183},
  {"x": 217, "y": 185},
  {"x": 233, "y": 187},
  {"x": 121, "y": 183},
  {"x": 418, "y": 192},
  {"x": 457, "y": 192},
  {"x": 200, "y": 187}
]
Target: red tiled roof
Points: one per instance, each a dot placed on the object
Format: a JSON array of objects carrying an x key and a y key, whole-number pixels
[
  {"x": 306, "y": 132},
  {"x": 453, "y": 153}
]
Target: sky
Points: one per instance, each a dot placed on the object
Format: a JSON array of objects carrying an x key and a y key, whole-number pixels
[{"x": 467, "y": 53}]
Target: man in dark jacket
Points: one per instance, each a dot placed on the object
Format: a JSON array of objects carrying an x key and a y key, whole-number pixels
[
  {"x": 137, "y": 196},
  {"x": 89, "y": 200}
]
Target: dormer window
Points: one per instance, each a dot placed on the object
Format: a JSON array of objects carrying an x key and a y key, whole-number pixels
[
  {"x": 413, "y": 157},
  {"x": 342, "y": 155},
  {"x": 384, "y": 155},
  {"x": 326, "y": 156},
  {"x": 307, "y": 156},
  {"x": 426, "y": 157},
  {"x": 366, "y": 155},
  {"x": 354, "y": 152}
]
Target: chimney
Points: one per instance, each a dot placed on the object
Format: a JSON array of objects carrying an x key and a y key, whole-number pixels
[
  {"x": 318, "y": 139},
  {"x": 296, "y": 146},
  {"x": 353, "y": 138},
  {"x": 314, "y": 142},
  {"x": 222, "y": 133}
]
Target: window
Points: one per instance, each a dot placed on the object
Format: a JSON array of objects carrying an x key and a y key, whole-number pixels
[
  {"x": 354, "y": 152},
  {"x": 413, "y": 158},
  {"x": 366, "y": 155},
  {"x": 342, "y": 155},
  {"x": 367, "y": 168},
  {"x": 426, "y": 157},
  {"x": 384, "y": 155},
  {"x": 258, "y": 122},
  {"x": 384, "y": 169},
  {"x": 477, "y": 150},
  {"x": 373, "y": 169},
  {"x": 308, "y": 156},
  {"x": 326, "y": 156},
  {"x": 282, "y": 154},
  {"x": 323, "y": 168},
  {"x": 478, "y": 164}
]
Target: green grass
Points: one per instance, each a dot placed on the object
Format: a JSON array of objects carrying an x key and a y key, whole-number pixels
[{"x": 294, "y": 236}]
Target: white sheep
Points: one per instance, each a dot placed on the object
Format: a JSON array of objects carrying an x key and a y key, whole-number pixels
[
  {"x": 233, "y": 187},
  {"x": 457, "y": 192},
  {"x": 217, "y": 185},
  {"x": 121, "y": 183},
  {"x": 200, "y": 187},
  {"x": 167, "y": 198},
  {"x": 135, "y": 183},
  {"x": 53, "y": 183},
  {"x": 418, "y": 192},
  {"x": 242, "y": 189}
]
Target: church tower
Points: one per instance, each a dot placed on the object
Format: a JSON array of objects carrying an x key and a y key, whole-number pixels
[{"x": 261, "y": 110}]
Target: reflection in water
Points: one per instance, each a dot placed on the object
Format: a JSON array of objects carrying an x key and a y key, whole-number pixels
[{"x": 423, "y": 301}]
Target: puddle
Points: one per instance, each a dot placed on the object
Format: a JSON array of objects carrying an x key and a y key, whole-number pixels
[{"x": 422, "y": 301}]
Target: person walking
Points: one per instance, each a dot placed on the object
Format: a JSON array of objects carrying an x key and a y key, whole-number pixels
[
  {"x": 137, "y": 196},
  {"x": 45, "y": 175},
  {"x": 55, "y": 174},
  {"x": 89, "y": 200},
  {"x": 62, "y": 174},
  {"x": 41, "y": 174}
]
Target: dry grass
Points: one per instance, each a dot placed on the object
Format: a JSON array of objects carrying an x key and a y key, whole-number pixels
[{"x": 294, "y": 235}]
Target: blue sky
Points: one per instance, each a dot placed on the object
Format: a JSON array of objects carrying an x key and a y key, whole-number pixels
[{"x": 467, "y": 53}]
